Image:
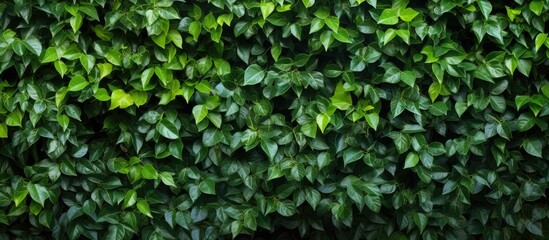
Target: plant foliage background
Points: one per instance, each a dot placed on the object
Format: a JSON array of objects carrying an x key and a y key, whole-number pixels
[{"x": 315, "y": 119}]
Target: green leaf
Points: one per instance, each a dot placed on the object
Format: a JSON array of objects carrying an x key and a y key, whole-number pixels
[
  {"x": 167, "y": 179},
  {"x": 149, "y": 172},
  {"x": 266, "y": 9},
  {"x": 130, "y": 198},
  {"x": 50, "y": 55},
  {"x": 60, "y": 67},
  {"x": 207, "y": 186},
  {"x": 402, "y": 142},
  {"x": 438, "y": 109},
  {"x": 322, "y": 119},
  {"x": 408, "y": 14},
  {"x": 38, "y": 193},
  {"x": 485, "y": 7},
  {"x": 163, "y": 74},
  {"x": 114, "y": 57},
  {"x": 326, "y": 38},
  {"x": 254, "y": 74},
  {"x": 64, "y": 121},
  {"x": 33, "y": 45},
  {"x": 323, "y": 160},
  {"x": 308, "y": 3},
  {"x": 341, "y": 99},
  {"x": 194, "y": 29},
  {"x": 536, "y": 7},
  {"x": 199, "y": 112},
  {"x": 175, "y": 37},
  {"x": 3, "y": 130},
  {"x": 373, "y": 202},
  {"x": 20, "y": 195},
  {"x": 408, "y": 77},
  {"x": 143, "y": 207},
  {"x": 270, "y": 148},
  {"x": 540, "y": 40},
  {"x": 534, "y": 147},
  {"x": 309, "y": 129},
  {"x": 388, "y": 17},
  {"x": 104, "y": 69},
  {"x": 333, "y": 23},
  {"x": 14, "y": 119},
  {"x": 87, "y": 62},
  {"x": 420, "y": 220},
  {"x": 167, "y": 129},
  {"x": 121, "y": 99},
  {"x": 316, "y": 25},
  {"x": 372, "y": 119},
  {"x": 434, "y": 90},
  {"x": 77, "y": 83},
  {"x": 411, "y": 161},
  {"x": 286, "y": 208},
  {"x": 404, "y": 34},
  {"x": 76, "y": 22},
  {"x": 352, "y": 155},
  {"x": 236, "y": 228}
]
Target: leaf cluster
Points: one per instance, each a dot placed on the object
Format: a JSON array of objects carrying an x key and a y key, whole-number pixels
[{"x": 321, "y": 119}]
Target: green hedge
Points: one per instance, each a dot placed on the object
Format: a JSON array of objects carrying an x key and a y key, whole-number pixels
[{"x": 347, "y": 119}]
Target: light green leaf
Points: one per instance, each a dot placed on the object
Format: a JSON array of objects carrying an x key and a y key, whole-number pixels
[
  {"x": 388, "y": 17},
  {"x": 3, "y": 130},
  {"x": 130, "y": 198},
  {"x": 60, "y": 67},
  {"x": 266, "y": 9},
  {"x": 146, "y": 77},
  {"x": 326, "y": 39},
  {"x": 87, "y": 62},
  {"x": 408, "y": 14},
  {"x": 341, "y": 99},
  {"x": 536, "y": 7},
  {"x": 20, "y": 195},
  {"x": 76, "y": 22},
  {"x": 143, "y": 207},
  {"x": 50, "y": 55},
  {"x": 14, "y": 118},
  {"x": 194, "y": 29},
  {"x": 163, "y": 74},
  {"x": 333, "y": 23},
  {"x": 167, "y": 179},
  {"x": 372, "y": 119},
  {"x": 121, "y": 99},
  {"x": 322, "y": 119},
  {"x": 199, "y": 112},
  {"x": 540, "y": 40},
  {"x": 411, "y": 160},
  {"x": 434, "y": 90},
  {"x": 77, "y": 83},
  {"x": 104, "y": 69},
  {"x": 308, "y": 3},
  {"x": 316, "y": 25}
]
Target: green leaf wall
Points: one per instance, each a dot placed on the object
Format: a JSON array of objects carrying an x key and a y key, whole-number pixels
[{"x": 315, "y": 119}]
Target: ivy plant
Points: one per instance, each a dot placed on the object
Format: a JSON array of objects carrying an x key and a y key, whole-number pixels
[{"x": 320, "y": 119}]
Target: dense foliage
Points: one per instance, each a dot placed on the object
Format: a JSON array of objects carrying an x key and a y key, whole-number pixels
[{"x": 348, "y": 119}]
